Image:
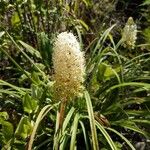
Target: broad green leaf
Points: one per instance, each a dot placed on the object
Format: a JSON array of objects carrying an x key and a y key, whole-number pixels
[
  {"x": 15, "y": 18},
  {"x": 4, "y": 115},
  {"x": 24, "y": 128},
  {"x": 7, "y": 130},
  {"x": 36, "y": 91},
  {"x": 29, "y": 104},
  {"x": 45, "y": 49},
  {"x": 6, "y": 127},
  {"x": 105, "y": 72}
]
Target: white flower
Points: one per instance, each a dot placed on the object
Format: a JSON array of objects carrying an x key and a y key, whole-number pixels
[
  {"x": 129, "y": 34},
  {"x": 69, "y": 65}
]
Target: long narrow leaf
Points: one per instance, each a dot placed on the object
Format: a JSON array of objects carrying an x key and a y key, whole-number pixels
[
  {"x": 106, "y": 135},
  {"x": 67, "y": 119},
  {"x": 31, "y": 61},
  {"x": 74, "y": 132},
  {"x": 124, "y": 138},
  {"x": 17, "y": 65},
  {"x": 92, "y": 121},
  {"x": 41, "y": 115},
  {"x": 138, "y": 84},
  {"x": 31, "y": 49},
  {"x": 84, "y": 134}
]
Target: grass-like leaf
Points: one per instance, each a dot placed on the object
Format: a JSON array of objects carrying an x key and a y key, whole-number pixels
[
  {"x": 74, "y": 132},
  {"x": 31, "y": 49},
  {"x": 85, "y": 136},
  {"x": 131, "y": 125},
  {"x": 67, "y": 119},
  {"x": 92, "y": 121},
  {"x": 106, "y": 135},
  {"x": 124, "y": 138},
  {"x": 41, "y": 115},
  {"x": 137, "y": 84}
]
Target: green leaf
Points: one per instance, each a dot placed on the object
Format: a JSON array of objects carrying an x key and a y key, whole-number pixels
[
  {"x": 19, "y": 89},
  {"x": 67, "y": 119},
  {"x": 6, "y": 130},
  {"x": 141, "y": 121},
  {"x": 83, "y": 24},
  {"x": 138, "y": 112},
  {"x": 124, "y": 138},
  {"x": 92, "y": 121},
  {"x": 102, "y": 40},
  {"x": 84, "y": 134},
  {"x": 88, "y": 2},
  {"x": 11, "y": 93},
  {"x": 24, "y": 128},
  {"x": 31, "y": 50},
  {"x": 15, "y": 19},
  {"x": 45, "y": 49},
  {"x": 136, "y": 84},
  {"x": 40, "y": 116},
  {"x": 74, "y": 132},
  {"x": 106, "y": 135},
  {"x": 132, "y": 126},
  {"x": 146, "y": 2},
  {"x": 2, "y": 33},
  {"x": 28, "y": 58},
  {"x": 101, "y": 72},
  {"x": 29, "y": 104},
  {"x": 4, "y": 115},
  {"x": 36, "y": 91},
  {"x": 35, "y": 77},
  {"x": 135, "y": 100}
]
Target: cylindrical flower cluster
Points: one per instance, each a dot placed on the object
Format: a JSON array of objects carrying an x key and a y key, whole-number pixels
[
  {"x": 69, "y": 66},
  {"x": 129, "y": 34}
]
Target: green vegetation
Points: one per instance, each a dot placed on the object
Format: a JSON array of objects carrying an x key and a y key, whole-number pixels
[{"x": 113, "y": 110}]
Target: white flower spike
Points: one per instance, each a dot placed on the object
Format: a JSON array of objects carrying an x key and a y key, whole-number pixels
[
  {"x": 129, "y": 34},
  {"x": 69, "y": 66}
]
